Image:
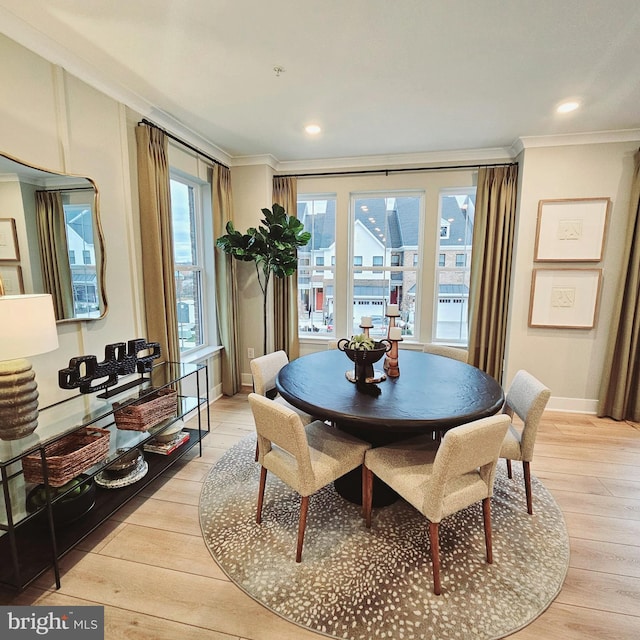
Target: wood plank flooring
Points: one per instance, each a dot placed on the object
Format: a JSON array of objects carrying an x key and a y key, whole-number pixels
[{"x": 151, "y": 570}]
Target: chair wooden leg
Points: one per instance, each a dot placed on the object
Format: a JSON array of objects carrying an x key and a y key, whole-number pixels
[
  {"x": 263, "y": 480},
  {"x": 304, "y": 506},
  {"x": 486, "y": 512},
  {"x": 257, "y": 452},
  {"x": 435, "y": 555},
  {"x": 367, "y": 495},
  {"x": 509, "y": 472},
  {"x": 527, "y": 486}
]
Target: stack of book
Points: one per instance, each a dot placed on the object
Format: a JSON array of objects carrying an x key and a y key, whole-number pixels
[{"x": 165, "y": 448}]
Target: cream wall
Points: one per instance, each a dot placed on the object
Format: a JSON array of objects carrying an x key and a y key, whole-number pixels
[
  {"x": 52, "y": 120},
  {"x": 569, "y": 361},
  {"x": 252, "y": 191}
]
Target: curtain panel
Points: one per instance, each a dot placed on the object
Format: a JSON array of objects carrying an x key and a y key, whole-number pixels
[
  {"x": 157, "y": 241},
  {"x": 491, "y": 257},
  {"x": 285, "y": 290},
  {"x": 54, "y": 252},
  {"x": 226, "y": 288},
  {"x": 619, "y": 397}
]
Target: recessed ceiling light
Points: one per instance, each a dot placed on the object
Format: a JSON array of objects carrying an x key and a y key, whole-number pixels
[
  {"x": 313, "y": 129},
  {"x": 566, "y": 107}
]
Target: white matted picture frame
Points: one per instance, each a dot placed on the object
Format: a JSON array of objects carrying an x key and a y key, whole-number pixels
[
  {"x": 11, "y": 277},
  {"x": 571, "y": 230},
  {"x": 9, "y": 240},
  {"x": 566, "y": 298}
]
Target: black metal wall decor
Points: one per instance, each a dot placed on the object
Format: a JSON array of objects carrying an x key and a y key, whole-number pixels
[{"x": 88, "y": 375}]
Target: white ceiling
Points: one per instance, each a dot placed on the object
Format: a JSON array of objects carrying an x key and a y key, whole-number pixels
[{"x": 380, "y": 77}]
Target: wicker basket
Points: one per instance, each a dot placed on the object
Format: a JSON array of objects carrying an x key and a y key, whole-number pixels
[
  {"x": 68, "y": 457},
  {"x": 148, "y": 411}
]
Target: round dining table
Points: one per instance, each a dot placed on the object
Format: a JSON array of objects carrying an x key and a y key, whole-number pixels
[{"x": 431, "y": 395}]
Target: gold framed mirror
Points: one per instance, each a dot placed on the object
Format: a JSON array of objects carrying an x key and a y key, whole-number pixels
[{"x": 60, "y": 245}]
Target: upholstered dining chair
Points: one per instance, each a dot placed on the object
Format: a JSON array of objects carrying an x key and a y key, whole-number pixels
[
  {"x": 264, "y": 370},
  {"x": 439, "y": 482},
  {"x": 527, "y": 398},
  {"x": 306, "y": 458},
  {"x": 448, "y": 352}
]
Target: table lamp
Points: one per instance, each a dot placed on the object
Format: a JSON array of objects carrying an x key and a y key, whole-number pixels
[{"x": 27, "y": 328}]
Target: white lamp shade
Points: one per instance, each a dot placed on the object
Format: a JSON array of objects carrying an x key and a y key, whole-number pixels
[{"x": 27, "y": 326}]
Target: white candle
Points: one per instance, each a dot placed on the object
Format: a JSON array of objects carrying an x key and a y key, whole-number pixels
[
  {"x": 395, "y": 333},
  {"x": 392, "y": 310},
  {"x": 365, "y": 321}
]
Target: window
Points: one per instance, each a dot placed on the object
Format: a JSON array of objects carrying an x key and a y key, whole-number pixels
[
  {"x": 316, "y": 290},
  {"x": 457, "y": 209},
  {"x": 78, "y": 217},
  {"x": 186, "y": 204},
  {"x": 385, "y": 226}
]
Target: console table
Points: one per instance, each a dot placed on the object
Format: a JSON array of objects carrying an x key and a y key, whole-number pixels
[{"x": 32, "y": 543}]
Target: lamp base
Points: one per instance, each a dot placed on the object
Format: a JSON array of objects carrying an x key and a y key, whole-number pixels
[{"x": 18, "y": 399}]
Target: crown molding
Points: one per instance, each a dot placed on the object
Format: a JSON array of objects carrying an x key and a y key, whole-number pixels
[
  {"x": 462, "y": 156},
  {"x": 246, "y": 161},
  {"x": 567, "y": 139}
]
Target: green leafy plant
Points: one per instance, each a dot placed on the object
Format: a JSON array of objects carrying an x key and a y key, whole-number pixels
[
  {"x": 361, "y": 342},
  {"x": 272, "y": 247}
]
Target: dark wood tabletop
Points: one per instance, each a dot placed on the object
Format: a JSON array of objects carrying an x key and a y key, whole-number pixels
[{"x": 432, "y": 393}]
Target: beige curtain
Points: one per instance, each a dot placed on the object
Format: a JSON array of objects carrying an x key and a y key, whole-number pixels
[
  {"x": 619, "y": 397},
  {"x": 54, "y": 252},
  {"x": 157, "y": 241},
  {"x": 226, "y": 287},
  {"x": 493, "y": 232},
  {"x": 285, "y": 290}
]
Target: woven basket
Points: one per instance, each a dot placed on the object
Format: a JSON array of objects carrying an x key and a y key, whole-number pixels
[
  {"x": 148, "y": 411},
  {"x": 68, "y": 457}
]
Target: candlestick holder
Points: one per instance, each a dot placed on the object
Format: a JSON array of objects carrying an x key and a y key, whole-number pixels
[
  {"x": 366, "y": 328},
  {"x": 391, "y": 360}
]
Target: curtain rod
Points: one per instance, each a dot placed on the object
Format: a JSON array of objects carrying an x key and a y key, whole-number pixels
[
  {"x": 182, "y": 142},
  {"x": 388, "y": 171}
]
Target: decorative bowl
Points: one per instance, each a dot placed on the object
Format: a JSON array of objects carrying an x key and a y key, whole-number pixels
[
  {"x": 364, "y": 359},
  {"x": 170, "y": 433},
  {"x": 67, "y": 509},
  {"x": 124, "y": 465}
]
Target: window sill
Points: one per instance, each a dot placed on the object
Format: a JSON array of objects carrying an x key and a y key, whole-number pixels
[{"x": 201, "y": 354}]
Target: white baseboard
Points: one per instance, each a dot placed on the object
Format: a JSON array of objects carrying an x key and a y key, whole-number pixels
[{"x": 573, "y": 405}]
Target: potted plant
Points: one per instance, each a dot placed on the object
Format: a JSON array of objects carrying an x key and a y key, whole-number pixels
[{"x": 272, "y": 247}]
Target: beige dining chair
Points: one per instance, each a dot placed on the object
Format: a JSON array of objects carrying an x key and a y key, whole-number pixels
[
  {"x": 527, "y": 398},
  {"x": 439, "y": 482},
  {"x": 456, "y": 353},
  {"x": 306, "y": 458},
  {"x": 264, "y": 370}
]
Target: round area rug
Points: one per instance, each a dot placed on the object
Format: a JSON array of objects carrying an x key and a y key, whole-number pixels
[{"x": 358, "y": 583}]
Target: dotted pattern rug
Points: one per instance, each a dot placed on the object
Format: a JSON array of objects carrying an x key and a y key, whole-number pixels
[{"x": 359, "y": 583}]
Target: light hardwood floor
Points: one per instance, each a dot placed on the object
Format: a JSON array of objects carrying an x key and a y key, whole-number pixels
[{"x": 150, "y": 569}]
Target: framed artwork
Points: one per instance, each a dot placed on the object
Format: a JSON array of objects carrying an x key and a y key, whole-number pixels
[
  {"x": 8, "y": 240},
  {"x": 11, "y": 279},
  {"x": 566, "y": 298},
  {"x": 571, "y": 230}
]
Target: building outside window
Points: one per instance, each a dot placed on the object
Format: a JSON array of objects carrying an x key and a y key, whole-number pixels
[
  {"x": 457, "y": 210},
  {"x": 316, "y": 289},
  {"x": 385, "y": 225},
  {"x": 186, "y": 207},
  {"x": 78, "y": 216}
]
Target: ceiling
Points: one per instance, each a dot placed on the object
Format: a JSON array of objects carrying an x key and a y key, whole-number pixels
[{"x": 380, "y": 77}]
